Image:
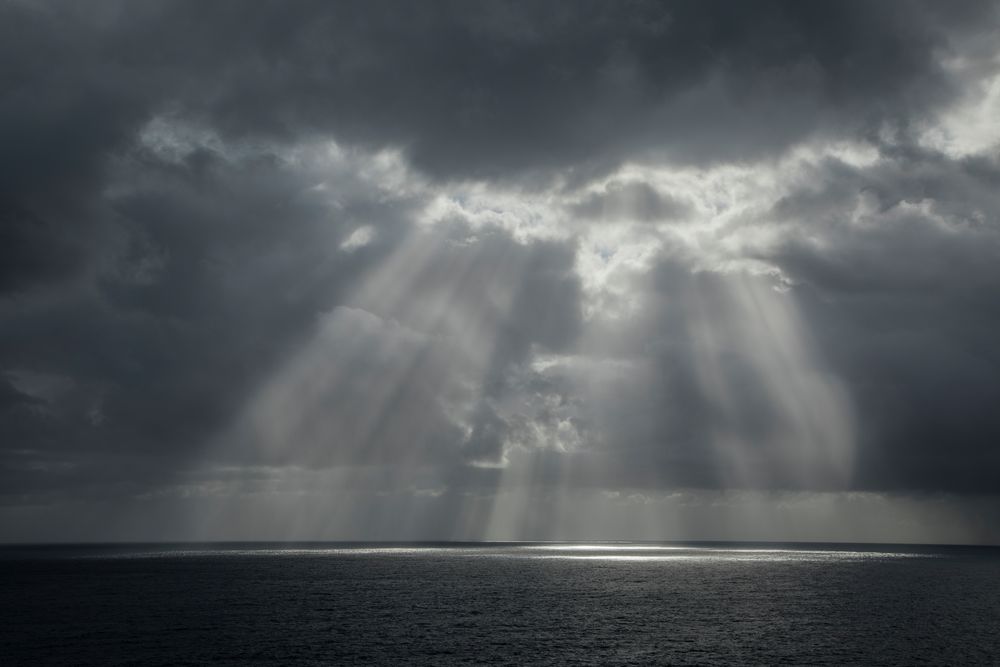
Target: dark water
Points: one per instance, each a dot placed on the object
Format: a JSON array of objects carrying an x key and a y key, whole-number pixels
[{"x": 499, "y": 604}]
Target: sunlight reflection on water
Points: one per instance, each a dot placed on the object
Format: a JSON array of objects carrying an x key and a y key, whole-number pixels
[
  {"x": 567, "y": 552},
  {"x": 603, "y": 547}
]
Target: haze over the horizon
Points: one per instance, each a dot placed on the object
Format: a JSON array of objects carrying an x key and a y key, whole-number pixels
[{"x": 500, "y": 270}]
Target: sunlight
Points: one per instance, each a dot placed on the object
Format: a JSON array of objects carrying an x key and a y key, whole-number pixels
[{"x": 405, "y": 372}]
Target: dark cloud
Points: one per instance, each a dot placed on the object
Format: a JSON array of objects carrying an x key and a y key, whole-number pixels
[
  {"x": 214, "y": 273},
  {"x": 898, "y": 265},
  {"x": 482, "y": 90}
]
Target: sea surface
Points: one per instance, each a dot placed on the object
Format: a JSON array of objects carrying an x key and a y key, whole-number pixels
[{"x": 505, "y": 604}]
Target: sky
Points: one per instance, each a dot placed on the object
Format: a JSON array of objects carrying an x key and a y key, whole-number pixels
[{"x": 500, "y": 270}]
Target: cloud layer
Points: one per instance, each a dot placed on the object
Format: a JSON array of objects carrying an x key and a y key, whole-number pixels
[{"x": 480, "y": 257}]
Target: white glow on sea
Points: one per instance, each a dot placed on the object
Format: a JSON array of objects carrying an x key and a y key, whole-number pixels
[{"x": 610, "y": 553}]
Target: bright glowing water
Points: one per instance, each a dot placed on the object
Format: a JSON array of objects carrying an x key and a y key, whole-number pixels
[{"x": 499, "y": 604}]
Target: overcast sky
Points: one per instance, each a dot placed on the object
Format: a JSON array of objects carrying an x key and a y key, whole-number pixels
[{"x": 504, "y": 270}]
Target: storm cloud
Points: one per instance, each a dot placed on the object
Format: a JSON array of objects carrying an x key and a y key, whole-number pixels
[{"x": 463, "y": 269}]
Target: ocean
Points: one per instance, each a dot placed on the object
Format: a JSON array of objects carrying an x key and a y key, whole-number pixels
[{"x": 504, "y": 604}]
